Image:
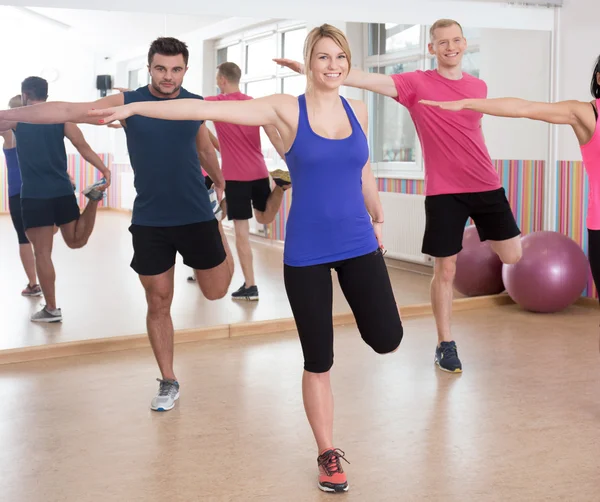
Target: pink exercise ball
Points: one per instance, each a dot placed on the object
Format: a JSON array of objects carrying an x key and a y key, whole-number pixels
[
  {"x": 478, "y": 267},
  {"x": 551, "y": 274}
]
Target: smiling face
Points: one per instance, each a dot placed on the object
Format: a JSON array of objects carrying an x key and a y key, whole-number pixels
[
  {"x": 329, "y": 64},
  {"x": 448, "y": 45}
]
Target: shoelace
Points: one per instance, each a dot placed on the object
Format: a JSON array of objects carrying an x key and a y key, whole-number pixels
[
  {"x": 330, "y": 461},
  {"x": 449, "y": 351},
  {"x": 165, "y": 387}
]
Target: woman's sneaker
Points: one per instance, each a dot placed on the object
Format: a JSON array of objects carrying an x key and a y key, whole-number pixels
[
  {"x": 332, "y": 477},
  {"x": 30, "y": 290}
]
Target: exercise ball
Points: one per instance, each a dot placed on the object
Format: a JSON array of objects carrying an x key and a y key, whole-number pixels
[
  {"x": 478, "y": 267},
  {"x": 551, "y": 274}
]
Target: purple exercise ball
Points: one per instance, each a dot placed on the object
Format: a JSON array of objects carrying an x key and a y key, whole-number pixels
[
  {"x": 478, "y": 267},
  {"x": 551, "y": 274}
]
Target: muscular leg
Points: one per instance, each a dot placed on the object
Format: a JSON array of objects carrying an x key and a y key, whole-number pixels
[
  {"x": 159, "y": 296},
  {"x": 42, "y": 239},
  {"x": 77, "y": 233},
  {"x": 509, "y": 251},
  {"x": 273, "y": 204},
  {"x": 442, "y": 294},
  {"x": 244, "y": 250},
  {"x": 28, "y": 261},
  {"x": 214, "y": 282}
]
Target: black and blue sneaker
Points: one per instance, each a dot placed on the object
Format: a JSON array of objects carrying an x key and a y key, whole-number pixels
[
  {"x": 446, "y": 357},
  {"x": 244, "y": 293}
]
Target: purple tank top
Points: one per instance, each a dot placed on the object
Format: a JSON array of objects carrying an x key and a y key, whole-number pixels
[{"x": 13, "y": 173}]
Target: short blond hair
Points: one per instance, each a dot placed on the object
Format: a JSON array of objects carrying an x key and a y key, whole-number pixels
[
  {"x": 15, "y": 101},
  {"x": 231, "y": 72},
  {"x": 443, "y": 23},
  {"x": 326, "y": 31}
]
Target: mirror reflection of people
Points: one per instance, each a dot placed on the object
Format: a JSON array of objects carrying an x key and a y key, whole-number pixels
[
  {"x": 13, "y": 178},
  {"x": 47, "y": 198}
]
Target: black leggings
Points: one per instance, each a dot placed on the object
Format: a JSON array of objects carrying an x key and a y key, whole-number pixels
[
  {"x": 14, "y": 206},
  {"x": 366, "y": 285},
  {"x": 594, "y": 255}
]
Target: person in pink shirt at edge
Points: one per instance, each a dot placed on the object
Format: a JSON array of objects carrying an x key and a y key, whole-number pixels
[
  {"x": 582, "y": 116},
  {"x": 247, "y": 184},
  {"x": 460, "y": 179}
]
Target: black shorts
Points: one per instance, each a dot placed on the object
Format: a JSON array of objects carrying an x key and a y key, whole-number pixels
[
  {"x": 208, "y": 182},
  {"x": 155, "y": 248},
  {"x": 594, "y": 255},
  {"x": 368, "y": 290},
  {"x": 242, "y": 196},
  {"x": 14, "y": 206},
  {"x": 49, "y": 212},
  {"x": 446, "y": 216}
]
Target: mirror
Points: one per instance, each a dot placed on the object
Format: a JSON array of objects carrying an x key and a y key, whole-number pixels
[{"x": 101, "y": 296}]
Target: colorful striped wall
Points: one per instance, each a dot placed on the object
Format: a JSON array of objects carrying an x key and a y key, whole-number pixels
[
  {"x": 84, "y": 174},
  {"x": 571, "y": 208}
]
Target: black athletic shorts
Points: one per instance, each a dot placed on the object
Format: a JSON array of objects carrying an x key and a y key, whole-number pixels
[
  {"x": 155, "y": 248},
  {"x": 594, "y": 255},
  {"x": 14, "y": 206},
  {"x": 49, "y": 212},
  {"x": 242, "y": 196},
  {"x": 208, "y": 182},
  {"x": 446, "y": 216}
]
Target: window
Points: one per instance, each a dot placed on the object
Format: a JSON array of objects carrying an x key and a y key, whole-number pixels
[
  {"x": 138, "y": 78},
  {"x": 253, "y": 52},
  {"x": 398, "y": 48}
]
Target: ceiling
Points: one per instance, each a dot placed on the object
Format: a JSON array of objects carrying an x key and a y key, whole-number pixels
[{"x": 110, "y": 32}]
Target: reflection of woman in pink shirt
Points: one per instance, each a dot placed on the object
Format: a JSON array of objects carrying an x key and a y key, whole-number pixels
[{"x": 582, "y": 117}]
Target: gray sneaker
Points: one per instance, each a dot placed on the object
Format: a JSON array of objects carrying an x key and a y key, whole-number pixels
[
  {"x": 92, "y": 192},
  {"x": 168, "y": 393},
  {"x": 46, "y": 315}
]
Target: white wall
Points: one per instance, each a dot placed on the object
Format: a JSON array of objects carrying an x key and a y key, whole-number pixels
[
  {"x": 39, "y": 49},
  {"x": 516, "y": 63},
  {"x": 578, "y": 50}
]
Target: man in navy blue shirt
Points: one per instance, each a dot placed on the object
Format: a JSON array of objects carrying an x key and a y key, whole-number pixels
[
  {"x": 173, "y": 211},
  {"x": 47, "y": 198}
]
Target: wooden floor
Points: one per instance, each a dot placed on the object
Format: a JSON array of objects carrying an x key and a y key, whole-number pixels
[
  {"x": 521, "y": 422},
  {"x": 101, "y": 297}
]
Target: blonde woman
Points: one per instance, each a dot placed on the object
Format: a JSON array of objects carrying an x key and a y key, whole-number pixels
[{"x": 334, "y": 221}]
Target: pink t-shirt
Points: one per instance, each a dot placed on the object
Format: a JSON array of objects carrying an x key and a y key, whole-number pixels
[
  {"x": 456, "y": 157},
  {"x": 590, "y": 153},
  {"x": 241, "y": 155}
]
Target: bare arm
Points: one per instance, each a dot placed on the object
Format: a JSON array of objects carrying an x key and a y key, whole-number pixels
[
  {"x": 369, "y": 184},
  {"x": 375, "y": 82},
  {"x": 253, "y": 112},
  {"x": 275, "y": 140},
  {"x": 6, "y": 125},
  {"x": 208, "y": 157},
  {"x": 76, "y": 138},
  {"x": 59, "y": 112},
  {"x": 214, "y": 141},
  {"x": 577, "y": 114}
]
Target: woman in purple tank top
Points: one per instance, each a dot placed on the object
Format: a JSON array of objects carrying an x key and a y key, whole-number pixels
[
  {"x": 13, "y": 177},
  {"x": 582, "y": 116},
  {"x": 334, "y": 222}
]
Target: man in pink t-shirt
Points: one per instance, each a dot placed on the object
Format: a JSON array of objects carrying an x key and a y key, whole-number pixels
[
  {"x": 247, "y": 184},
  {"x": 460, "y": 179}
]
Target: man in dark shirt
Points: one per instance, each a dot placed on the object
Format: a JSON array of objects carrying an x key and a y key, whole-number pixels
[
  {"x": 172, "y": 211},
  {"x": 47, "y": 198}
]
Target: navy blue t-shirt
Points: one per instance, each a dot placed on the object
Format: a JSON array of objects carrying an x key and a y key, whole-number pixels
[
  {"x": 43, "y": 161},
  {"x": 167, "y": 176}
]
